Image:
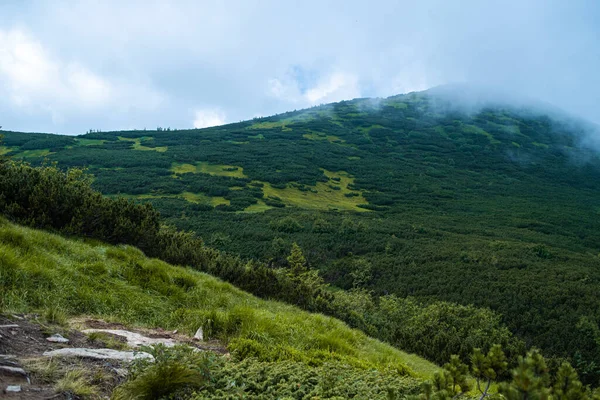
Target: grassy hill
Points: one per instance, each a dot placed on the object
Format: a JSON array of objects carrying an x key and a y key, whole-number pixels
[
  {"x": 496, "y": 206},
  {"x": 45, "y": 273}
]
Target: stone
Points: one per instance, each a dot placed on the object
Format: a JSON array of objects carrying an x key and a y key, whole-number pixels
[
  {"x": 12, "y": 371},
  {"x": 175, "y": 332},
  {"x": 134, "y": 339},
  {"x": 199, "y": 334},
  {"x": 10, "y": 326},
  {"x": 13, "y": 389},
  {"x": 99, "y": 354},
  {"x": 57, "y": 338}
]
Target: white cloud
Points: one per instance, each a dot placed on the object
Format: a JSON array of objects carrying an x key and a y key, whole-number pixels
[
  {"x": 333, "y": 87},
  {"x": 208, "y": 117},
  {"x": 37, "y": 81},
  {"x": 337, "y": 86}
]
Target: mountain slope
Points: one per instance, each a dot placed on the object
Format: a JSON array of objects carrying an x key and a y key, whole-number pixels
[
  {"x": 40, "y": 271},
  {"x": 415, "y": 195}
]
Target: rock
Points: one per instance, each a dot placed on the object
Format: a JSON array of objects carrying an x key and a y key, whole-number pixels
[
  {"x": 175, "y": 332},
  {"x": 12, "y": 371},
  {"x": 57, "y": 338},
  {"x": 134, "y": 339},
  {"x": 199, "y": 334},
  {"x": 99, "y": 354},
  {"x": 10, "y": 326},
  {"x": 13, "y": 389}
]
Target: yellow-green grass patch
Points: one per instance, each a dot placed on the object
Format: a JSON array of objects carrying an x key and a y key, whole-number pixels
[
  {"x": 137, "y": 144},
  {"x": 322, "y": 137},
  {"x": 477, "y": 130},
  {"x": 6, "y": 150},
  {"x": 90, "y": 142},
  {"x": 201, "y": 198},
  {"x": 210, "y": 169},
  {"x": 260, "y": 206},
  {"x": 272, "y": 125},
  {"x": 322, "y": 196},
  {"x": 33, "y": 153}
]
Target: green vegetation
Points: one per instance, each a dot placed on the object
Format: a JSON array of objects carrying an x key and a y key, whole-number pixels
[
  {"x": 64, "y": 201},
  {"x": 39, "y": 270},
  {"x": 496, "y": 209}
]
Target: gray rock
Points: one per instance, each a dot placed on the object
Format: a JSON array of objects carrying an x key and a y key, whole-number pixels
[
  {"x": 134, "y": 339},
  {"x": 12, "y": 371},
  {"x": 10, "y": 326},
  {"x": 99, "y": 354},
  {"x": 199, "y": 334},
  {"x": 57, "y": 338},
  {"x": 13, "y": 389}
]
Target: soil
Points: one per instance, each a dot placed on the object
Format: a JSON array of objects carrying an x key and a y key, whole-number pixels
[{"x": 23, "y": 345}]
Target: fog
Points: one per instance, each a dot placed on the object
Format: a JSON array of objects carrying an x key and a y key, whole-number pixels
[{"x": 69, "y": 66}]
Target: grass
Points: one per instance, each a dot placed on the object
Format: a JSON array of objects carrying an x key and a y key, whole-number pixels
[
  {"x": 137, "y": 144},
  {"x": 90, "y": 142},
  {"x": 33, "y": 153},
  {"x": 260, "y": 206},
  {"x": 271, "y": 125},
  {"x": 322, "y": 137},
  {"x": 198, "y": 198},
  {"x": 6, "y": 150},
  {"x": 322, "y": 196},
  {"x": 39, "y": 270},
  {"x": 75, "y": 382},
  {"x": 201, "y": 198},
  {"x": 210, "y": 169},
  {"x": 479, "y": 131}
]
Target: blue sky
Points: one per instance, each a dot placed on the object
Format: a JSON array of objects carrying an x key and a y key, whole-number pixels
[{"x": 70, "y": 66}]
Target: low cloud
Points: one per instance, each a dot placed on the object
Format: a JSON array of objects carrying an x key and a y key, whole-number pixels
[
  {"x": 332, "y": 87},
  {"x": 206, "y": 118}
]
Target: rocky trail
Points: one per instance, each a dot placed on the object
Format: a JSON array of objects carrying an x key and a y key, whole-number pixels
[{"x": 39, "y": 360}]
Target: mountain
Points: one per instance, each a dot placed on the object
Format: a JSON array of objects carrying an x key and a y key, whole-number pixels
[{"x": 437, "y": 195}]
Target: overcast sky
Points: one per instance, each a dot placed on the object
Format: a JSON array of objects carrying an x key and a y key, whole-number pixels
[{"x": 70, "y": 66}]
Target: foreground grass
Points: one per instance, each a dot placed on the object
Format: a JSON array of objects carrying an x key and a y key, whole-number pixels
[{"x": 40, "y": 271}]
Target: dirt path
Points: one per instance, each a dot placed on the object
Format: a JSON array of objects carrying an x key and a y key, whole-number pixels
[{"x": 25, "y": 367}]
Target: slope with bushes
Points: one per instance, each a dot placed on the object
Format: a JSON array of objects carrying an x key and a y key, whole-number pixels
[
  {"x": 48, "y": 198},
  {"x": 40, "y": 271}
]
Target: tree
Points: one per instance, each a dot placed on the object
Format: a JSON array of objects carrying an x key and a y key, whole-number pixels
[
  {"x": 450, "y": 383},
  {"x": 567, "y": 385},
  {"x": 488, "y": 367},
  {"x": 530, "y": 379},
  {"x": 296, "y": 260}
]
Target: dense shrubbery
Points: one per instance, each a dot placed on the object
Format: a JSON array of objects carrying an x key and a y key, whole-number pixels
[
  {"x": 182, "y": 373},
  {"x": 45, "y": 197}
]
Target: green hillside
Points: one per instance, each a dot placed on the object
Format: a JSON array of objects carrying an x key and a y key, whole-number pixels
[
  {"x": 42, "y": 272},
  {"x": 407, "y": 195}
]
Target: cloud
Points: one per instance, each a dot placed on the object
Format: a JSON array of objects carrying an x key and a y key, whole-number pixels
[
  {"x": 335, "y": 86},
  {"x": 206, "y": 118},
  {"x": 38, "y": 82},
  {"x": 34, "y": 78},
  {"x": 69, "y": 66}
]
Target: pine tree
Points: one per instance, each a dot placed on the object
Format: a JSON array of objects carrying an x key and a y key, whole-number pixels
[
  {"x": 531, "y": 379},
  {"x": 296, "y": 260},
  {"x": 568, "y": 386},
  {"x": 488, "y": 367}
]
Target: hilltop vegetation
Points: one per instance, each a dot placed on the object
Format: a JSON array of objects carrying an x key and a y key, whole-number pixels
[{"x": 405, "y": 196}]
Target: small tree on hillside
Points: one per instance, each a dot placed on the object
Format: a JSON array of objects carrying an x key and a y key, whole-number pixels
[{"x": 296, "y": 260}]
